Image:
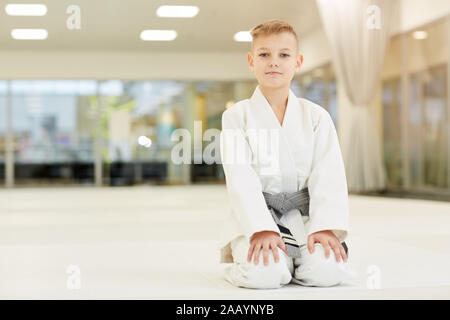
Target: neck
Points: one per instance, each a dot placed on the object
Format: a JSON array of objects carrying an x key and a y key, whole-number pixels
[{"x": 277, "y": 97}]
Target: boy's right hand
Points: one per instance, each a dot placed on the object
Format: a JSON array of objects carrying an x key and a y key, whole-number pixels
[{"x": 265, "y": 240}]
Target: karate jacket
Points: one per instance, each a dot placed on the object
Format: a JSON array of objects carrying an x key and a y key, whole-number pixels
[{"x": 301, "y": 152}]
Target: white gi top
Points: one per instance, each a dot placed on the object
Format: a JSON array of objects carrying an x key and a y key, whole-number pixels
[{"x": 307, "y": 155}]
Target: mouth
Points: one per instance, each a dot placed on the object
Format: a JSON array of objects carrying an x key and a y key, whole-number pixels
[{"x": 273, "y": 73}]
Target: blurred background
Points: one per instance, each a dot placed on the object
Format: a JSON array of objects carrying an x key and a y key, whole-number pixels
[
  {"x": 73, "y": 105},
  {"x": 84, "y": 194}
]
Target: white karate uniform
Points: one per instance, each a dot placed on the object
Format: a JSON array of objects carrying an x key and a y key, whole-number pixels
[{"x": 307, "y": 155}]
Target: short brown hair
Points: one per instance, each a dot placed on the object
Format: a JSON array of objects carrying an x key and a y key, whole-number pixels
[{"x": 274, "y": 26}]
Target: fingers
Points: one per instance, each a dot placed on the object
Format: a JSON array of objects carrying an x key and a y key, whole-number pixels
[
  {"x": 326, "y": 247},
  {"x": 275, "y": 253},
  {"x": 255, "y": 248},
  {"x": 267, "y": 245},
  {"x": 266, "y": 254},
  {"x": 311, "y": 243},
  {"x": 328, "y": 243},
  {"x": 282, "y": 246},
  {"x": 337, "y": 253},
  {"x": 343, "y": 254},
  {"x": 250, "y": 252},
  {"x": 256, "y": 253}
]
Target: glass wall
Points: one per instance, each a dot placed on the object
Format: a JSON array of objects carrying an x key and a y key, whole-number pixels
[
  {"x": 416, "y": 123},
  {"x": 391, "y": 98},
  {"x": 65, "y": 131},
  {"x": 52, "y": 125},
  {"x": 131, "y": 109},
  {"x": 427, "y": 128},
  {"x": 3, "y": 126},
  {"x": 428, "y": 109},
  {"x": 393, "y": 121},
  {"x": 319, "y": 86}
]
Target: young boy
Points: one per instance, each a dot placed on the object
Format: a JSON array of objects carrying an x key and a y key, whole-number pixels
[{"x": 294, "y": 215}]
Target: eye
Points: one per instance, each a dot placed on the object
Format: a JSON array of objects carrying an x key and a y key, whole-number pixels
[{"x": 283, "y": 55}]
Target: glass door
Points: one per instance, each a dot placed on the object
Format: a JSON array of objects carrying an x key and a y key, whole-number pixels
[{"x": 427, "y": 127}]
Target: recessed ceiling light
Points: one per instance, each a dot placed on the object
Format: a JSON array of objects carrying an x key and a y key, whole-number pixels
[
  {"x": 420, "y": 35},
  {"x": 177, "y": 11},
  {"x": 243, "y": 36},
  {"x": 158, "y": 35},
  {"x": 26, "y": 9},
  {"x": 29, "y": 34}
]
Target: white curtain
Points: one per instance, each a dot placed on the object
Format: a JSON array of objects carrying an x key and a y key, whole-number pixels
[{"x": 358, "y": 31}]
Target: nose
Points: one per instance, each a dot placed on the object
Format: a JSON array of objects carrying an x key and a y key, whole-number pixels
[{"x": 274, "y": 62}]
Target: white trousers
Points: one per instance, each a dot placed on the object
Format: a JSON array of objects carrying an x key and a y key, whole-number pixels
[{"x": 311, "y": 269}]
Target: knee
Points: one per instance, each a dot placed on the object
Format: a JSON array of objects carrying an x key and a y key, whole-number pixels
[
  {"x": 260, "y": 276},
  {"x": 316, "y": 270},
  {"x": 272, "y": 276}
]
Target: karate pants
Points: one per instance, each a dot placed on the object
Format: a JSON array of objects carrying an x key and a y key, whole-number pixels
[{"x": 311, "y": 269}]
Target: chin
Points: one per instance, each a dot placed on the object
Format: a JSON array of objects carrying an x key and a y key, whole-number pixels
[{"x": 274, "y": 84}]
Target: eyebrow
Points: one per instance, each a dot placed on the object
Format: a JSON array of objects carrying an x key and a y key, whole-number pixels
[{"x": 263, "y": 48}]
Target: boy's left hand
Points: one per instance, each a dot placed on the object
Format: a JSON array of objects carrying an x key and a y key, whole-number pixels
[{"x": 328, "y": 239}]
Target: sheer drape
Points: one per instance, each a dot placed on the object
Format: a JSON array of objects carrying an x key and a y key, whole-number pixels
[{"x": 358, "y": 31}]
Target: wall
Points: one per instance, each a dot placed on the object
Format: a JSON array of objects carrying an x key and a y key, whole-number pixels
[
  {"x": 124, "y": 65},
  {"x": 415, "y": 13}
]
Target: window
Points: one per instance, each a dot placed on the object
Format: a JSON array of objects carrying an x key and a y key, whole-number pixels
[
  {"x": 64, "y": 130},
  {"x": 319, "y": 86},
  {"x": 415, "y": 143}
]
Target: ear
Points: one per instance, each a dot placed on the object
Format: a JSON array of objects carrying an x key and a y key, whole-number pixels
[
  {"x": 299, "y": 62},
  {"x": 250, "y": 60}
]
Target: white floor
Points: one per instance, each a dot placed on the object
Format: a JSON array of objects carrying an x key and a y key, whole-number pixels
[{"x": 160, "y": 243}]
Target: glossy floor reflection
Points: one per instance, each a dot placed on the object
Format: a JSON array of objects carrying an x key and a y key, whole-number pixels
[{"x": 161, "y": 243}]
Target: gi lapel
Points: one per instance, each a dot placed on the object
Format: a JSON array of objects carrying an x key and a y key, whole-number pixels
[
  {"x": 287, "y": 163},
  {"x": 270, "y": 121}
]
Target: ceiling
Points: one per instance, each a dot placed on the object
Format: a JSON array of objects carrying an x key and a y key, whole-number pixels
[{"x": 116, "y": 24}]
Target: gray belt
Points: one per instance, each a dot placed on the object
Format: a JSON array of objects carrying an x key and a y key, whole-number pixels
[{"x": 283, "y": 202}]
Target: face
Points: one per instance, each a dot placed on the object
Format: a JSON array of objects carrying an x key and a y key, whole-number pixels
[{"x": 274, "y": 60}]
